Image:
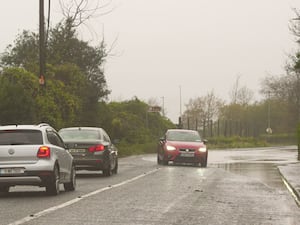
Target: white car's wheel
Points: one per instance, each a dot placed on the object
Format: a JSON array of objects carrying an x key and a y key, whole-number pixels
[
  {"x": 71, "y": 186},
  {"x": 4, "y": 189},
  {"x": 52, "y": 187}
]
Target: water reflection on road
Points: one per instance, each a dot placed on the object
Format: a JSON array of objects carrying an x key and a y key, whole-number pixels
[
  {"x": 265, "y": 173},
  {"x": 260, "y": 164}
]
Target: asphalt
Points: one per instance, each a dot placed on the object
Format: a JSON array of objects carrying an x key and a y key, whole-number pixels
[{"x": 291, "y": 176}]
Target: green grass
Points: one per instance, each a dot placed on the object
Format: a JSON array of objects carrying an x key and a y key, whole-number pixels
[
  {"x": 126, "y": 149},
  {"x": 235, "y": 142}
]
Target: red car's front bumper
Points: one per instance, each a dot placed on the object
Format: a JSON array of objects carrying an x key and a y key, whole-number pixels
[{"x": 185, "y": 157}]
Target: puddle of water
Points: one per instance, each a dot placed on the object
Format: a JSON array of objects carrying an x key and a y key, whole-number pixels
[{"x": 265, "y": 173}]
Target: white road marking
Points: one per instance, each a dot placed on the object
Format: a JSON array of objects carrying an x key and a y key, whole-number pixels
[
  {"x": 149, "y": 159},
  {"x": 291, "y": 190},
  {"x": 73, "y": 201}
]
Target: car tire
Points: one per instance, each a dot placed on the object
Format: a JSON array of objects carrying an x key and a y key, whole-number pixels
[
  {"x": 165, "y": 162},
  {"x": 52, "y": 187},
  {"x": 204, "y": 163},
  {"x": 4, "y": 189},
  {"x": 107, "y": 172},
  {"x": 115, "y": 170},
  {"x": 71, "y": 186},
  {"x": 158, "y": 160}
]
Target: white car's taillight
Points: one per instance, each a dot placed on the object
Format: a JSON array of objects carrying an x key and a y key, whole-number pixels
[{"x": 44, "y": 152}]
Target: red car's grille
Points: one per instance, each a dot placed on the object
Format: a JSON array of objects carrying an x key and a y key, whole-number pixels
[{"x": 187, "y": 150}]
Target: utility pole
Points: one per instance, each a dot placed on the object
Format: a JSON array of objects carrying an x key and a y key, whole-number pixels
[
  {"x": 163, "y": 105},
  {"x": 297, "y": 71},
  {"x": 298, "y": 109},
  {"x": 42, "y": 44},
  {"x": 180, "y": 111}
]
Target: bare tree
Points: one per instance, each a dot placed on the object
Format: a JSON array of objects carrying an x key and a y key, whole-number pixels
[
  {"x": 80, "y": 11},
  {"x": 234, "y": 91},
  {"x": 201, "y": 110},
  {"x": 240, "y": 95},
  {"x": 295, "y": 25}
]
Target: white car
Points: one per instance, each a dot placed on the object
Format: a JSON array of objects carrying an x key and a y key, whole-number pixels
[{"x": 35, "y": 155}]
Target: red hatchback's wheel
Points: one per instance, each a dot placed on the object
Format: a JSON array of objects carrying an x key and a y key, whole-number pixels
[
  {"x": 204, "y": 163},
  {"x": 165, "y": 162},
  {"x": 158, "y": 160}
]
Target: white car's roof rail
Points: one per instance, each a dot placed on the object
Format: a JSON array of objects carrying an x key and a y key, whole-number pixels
[{"x": 43, "y": 124}]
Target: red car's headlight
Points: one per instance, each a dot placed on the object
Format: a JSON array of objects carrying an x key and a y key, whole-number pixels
[
  {"x": 170, "y": 148},
  {"x": 202, "y": 149}
]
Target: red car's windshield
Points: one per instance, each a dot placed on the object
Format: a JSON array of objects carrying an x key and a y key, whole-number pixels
[{"x": 183, "y": 136}]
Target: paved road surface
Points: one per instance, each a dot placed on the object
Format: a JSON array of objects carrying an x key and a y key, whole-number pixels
[{"x": 237, "y": 187}]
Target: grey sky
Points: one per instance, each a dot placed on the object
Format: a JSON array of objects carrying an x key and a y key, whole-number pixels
[{"x": 162, "y": 45}]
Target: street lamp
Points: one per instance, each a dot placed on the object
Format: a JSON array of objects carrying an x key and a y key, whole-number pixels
[{"x": 269, "y": 130}]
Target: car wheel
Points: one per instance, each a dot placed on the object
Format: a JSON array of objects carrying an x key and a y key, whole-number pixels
[
  {"x": 4, "y": 189},
  {"x": 158, "y": 160},
  {"x": 115, "y": 170},
  {"x": 71, "y": 186},
  {"x": 165, "y": 162},
  {"x": 107, "y": 172},
  {"x": 52, "y": 187},
  {"x": 204, "y": 163}
]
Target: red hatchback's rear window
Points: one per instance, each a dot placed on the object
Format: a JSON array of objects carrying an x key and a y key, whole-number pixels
[{"x": 21, "y": 137}]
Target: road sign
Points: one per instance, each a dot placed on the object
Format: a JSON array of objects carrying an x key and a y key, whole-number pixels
[
  {"x": 154, "y": 109},
  {"x": 269, "y": 130}
]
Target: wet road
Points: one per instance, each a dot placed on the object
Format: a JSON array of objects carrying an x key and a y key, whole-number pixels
[{"x": 237, "y": 187}]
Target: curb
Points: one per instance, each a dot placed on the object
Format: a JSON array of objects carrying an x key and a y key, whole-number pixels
[{"x": 290, "y": 188}]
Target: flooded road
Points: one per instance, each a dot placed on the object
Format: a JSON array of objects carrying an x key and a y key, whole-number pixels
[
  {"x": 265, "y": 173},
  {"x": 260, "y": 164}
]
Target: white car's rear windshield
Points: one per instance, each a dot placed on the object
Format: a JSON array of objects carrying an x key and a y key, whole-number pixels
[{"x": 21, "y": 137}]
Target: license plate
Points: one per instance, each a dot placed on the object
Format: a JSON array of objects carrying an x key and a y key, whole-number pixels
[
  {"x": 8, "y": 171},
  {"x": 78, "y": 150},
  {"x": 187, "y": 154}
]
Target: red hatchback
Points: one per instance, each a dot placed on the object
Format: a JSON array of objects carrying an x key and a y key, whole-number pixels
[{"x": 182, "y": 146}]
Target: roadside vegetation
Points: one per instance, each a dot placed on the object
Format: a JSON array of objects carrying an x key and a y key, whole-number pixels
[{"x": 75, "y": 93}]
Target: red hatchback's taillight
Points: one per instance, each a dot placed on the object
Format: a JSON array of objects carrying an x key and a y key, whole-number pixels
[
  {"x": 96, "y": 148},
  {"x": 43, "y": 152}
]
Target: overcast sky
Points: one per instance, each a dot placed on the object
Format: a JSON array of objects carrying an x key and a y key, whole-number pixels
[{"x": 167, "y": 49}]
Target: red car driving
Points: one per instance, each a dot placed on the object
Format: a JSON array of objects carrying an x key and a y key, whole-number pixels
[{"x": 182, "y": 146}]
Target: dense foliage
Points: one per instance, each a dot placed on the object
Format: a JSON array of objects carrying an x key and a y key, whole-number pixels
[{"x": 130, "y": 122}]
